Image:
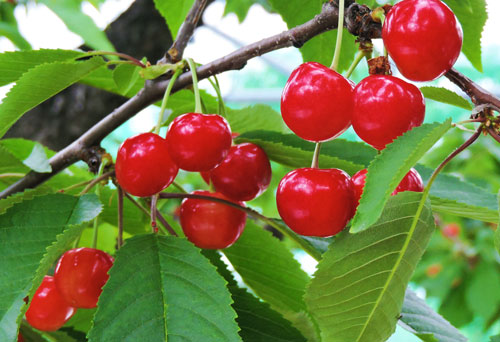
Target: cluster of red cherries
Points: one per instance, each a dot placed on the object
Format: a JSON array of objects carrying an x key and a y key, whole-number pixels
[
  {"x": 147, "y": 163},
  {"x": 78, "y": 279},
  {"x": 424, "y": 39}
]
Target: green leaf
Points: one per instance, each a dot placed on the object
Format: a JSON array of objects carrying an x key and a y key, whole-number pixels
[
  {"x": 10, "y": 163},
  {"x": 357, "y": 292},
  {"x": 421, "y": 320},
  {"x": 473, "y": 18},
  {"x": 15, "y": 63},
  {"x": 497, "y": 231},
  {"x": 153, "y": 71},
  {"x": 35, "y": 232},
  {"x": 39, "y": 84},
  {"x": 256, "y": 117},
  {"x": 269, "y": 269},
  {"x": 238, "y": 7},
  {"x": 257, "y": 321},
  {"x": 32, "y": 154},
  {"x": 482, "y": 295},
  {"x": 78, "y": 22},
  {"x": 445, "y": 96},
  {"x": 177, "y": 294},
  {"x": 183, "y": 102},
  {"x": 389, "y": 168},
  {"x": 451, "y": 195},
  {"x": 102, "y": 78},
  {"x": 174, "y": 12},
  {"x": 11, "y": 32},
  {"x": 495, "y": 338},
  {"x": 290, "y": 150},
  {"x": 455, "y": 309},
  {"x": 125, "y": 77}
]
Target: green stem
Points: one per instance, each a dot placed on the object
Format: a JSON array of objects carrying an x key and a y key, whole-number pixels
[
  {"x": 285, "y": 231},
  {"x": 359, "y": 56},
  {"x": 338, "y": 44},
  {"x": 315, "y": 160},
  {"x": 98, "y": 193},
  {"x": 165, "y": 99},
  {"x": 145, "y": 211},
  {"x": 11, "y": 174},
  {"x": 197, "y": 97},
  {"x": 179, "y": 187},
  {"x": 215, "y": 85}
]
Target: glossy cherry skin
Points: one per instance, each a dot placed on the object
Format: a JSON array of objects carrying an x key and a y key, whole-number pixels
[
  {"x": 48, "y": 311},
  {"x": 143, "y": 165},
  {"x": 316, "y": 202},
  {"x": 199, "y": 142},
  {"x": 209, "y": 224},
  {"x": 80, "y": 275},
  {"x": 385, "y": 107},
  {"x": 317, "y": 102},
  {"x": 410, "y": 182},
  {"x": 244, "y": 174},
  {"x": 423, "y": 37}
]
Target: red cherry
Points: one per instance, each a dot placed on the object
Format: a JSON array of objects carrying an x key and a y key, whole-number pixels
[
  {"x": 48, "y": 310},
  {"x": 143, "y": 165},
  {"x": 410, "y": 182},
  {"x": 244, "y": 174},
  {"x": 385, "y": 107},
  {"x": 317, "y": 102},
  {"x": 210, "y": 224},
  {"x": 80, "y": 275},
  {"x": 316, "y": 202},
  {"x": 433, "y": 270},
  {"x": 451, "y": 230},
  {"x": 423, "y": 37},
  {"x": 199, "y": 142}
]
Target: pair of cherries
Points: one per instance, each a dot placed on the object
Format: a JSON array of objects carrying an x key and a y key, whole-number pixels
[
  {"x": 146, "y": 164},
  {"x": 78, "y": 279}
]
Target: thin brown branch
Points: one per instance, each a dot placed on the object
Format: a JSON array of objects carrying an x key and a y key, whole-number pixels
[
  {"x": 174, "y": 54},
  {"x": 96, "y": 180},
  {"x": 165, "y": 223},
  {"x": 493, "y": 133}
]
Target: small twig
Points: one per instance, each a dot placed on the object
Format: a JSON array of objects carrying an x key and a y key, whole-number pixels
[
  {"x": 493, "y": 133},
  {"x": 11, "y": 174},
  {"x": 97, "y": 180},
  {"x": 154, "y": 211},
  {"x": 118, "y": 54},
  {"x": 174, "y": 54},
  {"x": 165, "y": 223},
  {"x": 119, "y": 239}
]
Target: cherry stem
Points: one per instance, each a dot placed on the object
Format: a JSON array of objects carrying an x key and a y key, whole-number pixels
[
  {"x": 12, "y": 174},
  {"x": 215, "y": 85},
  {"x": 165, "y": 99},
  {"x": 91, "y": 183},
  {"x": 118, "y": 54},
  {"x": 359, "y": 56},
  {"x": 154, "y": 211},
  {"x": 471, "y": 120},
  {"x": 104, "y": 162},
  {"x": 119, "y": 239},
  {"x": 197, "y": 96},
  {"x": 315, "y": 160},
  {"x": 179, "y": 187},
  {"x": 338, "y": 43},
  {"x": 165, "y": 228},
  {"x": 493, "y": 133},
  {"x": 271, "y": 222}
]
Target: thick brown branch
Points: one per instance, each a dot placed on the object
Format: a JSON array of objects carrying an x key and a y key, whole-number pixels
[{"x": 174, "y": 54}]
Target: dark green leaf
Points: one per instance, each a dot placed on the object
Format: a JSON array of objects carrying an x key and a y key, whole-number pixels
[
  {"x": 358, "y": 290},
  {"x": 424, "y": 322},
  {"x": 290, "y": 150},
  {"x": 256, "y": 117},
  {"x": 389, "y": 168},
  {"x": 39, "y": 84},
  {"x": 473, "y": 18},
  {"x": 78, "y": 22},
  {"x": 445, "y": 96},
  {"x": 451, "y": 195},
  {"x": 125, "y": 76},
  {"x": 454, "y": 307},
  {"x": 14, "y": 64},
  {"x": 174, "y": 12},
  {"x": 37, "y": 232},
  {"x": 173, "y": 293}
]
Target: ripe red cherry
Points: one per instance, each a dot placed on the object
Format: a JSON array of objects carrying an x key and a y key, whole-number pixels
[
  {"x": 199, "y": 142},
  {"x": 316, "y": 202},
  {"x": 451, "y": 230},
  {"x": 423, "y": 37},
  {"x": 80, "y": 275},
  {"x": 48, "y": 310},
  {"x": 410, "y": 182},
  {"x": 244, "y": 174},
  {"x": 316, "y": 103},
  {"x": 385, "y": 107},
  {"x": 143, "y": 165},
  {"x": 210, "y": 224}
]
